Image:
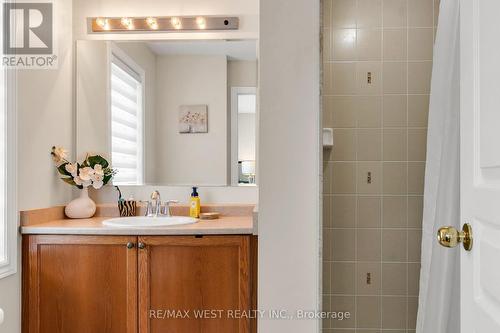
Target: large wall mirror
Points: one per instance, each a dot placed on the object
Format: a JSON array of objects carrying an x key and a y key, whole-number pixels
[{"x": 169, "y": 112}]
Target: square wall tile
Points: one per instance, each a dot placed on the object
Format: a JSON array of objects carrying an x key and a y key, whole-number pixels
[
  {"x": 369, "y": 44},
  {"x": 327, "y": 244},
  {"x": 369, "y": 212},
  {"x": 326, "y": 114},
  {"x": 395, "y": 44},
  {"x": 345, "y": 144},
  {"x": 395, "y": 110},
  {"x": 368, "y": 178},
  {"x": 413, "y": 279},
  {"x": 394, "y": 279},
  {"x": 420, "y": 13},
  {"x": 394, "y": 212},
  {"x": 418, "y": 110},
  {"x": 414, "y": 245},
  {"x": 395, "y": 146},
  {"x": 326, "y": 46},
  {"x": 327, "y": 212},
  {"x": 394, "y": 312},
  {"x": 344, "y": 44},
  {"x": 342, "y": 278},
  {"x": 416, "y": 177},
  {"x": 327, "y": 177},
  {"x": 368, "y": 278},
  {"x": 327, "y": 277},
  {"x": 343, "y": 78},
  {"x": 328, "y": 78},
  {"x": 343, "y": 110},
  {"x": 417, "y": 144},
  {"x": 369, "y": 145},
  {"x": 394, "y": 245},
  {"x": 343, "y": 14},
  {"x": 368, "y": 311},
  {"x": 419, "y": 77},
  {"x": 412, "y": 312},
  {"x": 395, "y": 13},
  {"x": 369, "y": 13},
  {"x": 343, "y": 177},
  {"x": 369, "y": 78},
  {"x": 343, "y": 244},
  {"x": 327, "y": 13},
  {"x": 394, "y": 174},
  {"x": 369, "y": 111},
  {"x": 343, "y": 304},
  {"x": 415, "y": 211},
  {"x": 343, "y": 211},
  {"x": 395, "y": 77},
  {"x": 420, "y": 43},
  {"x": 368, "y": 244}
]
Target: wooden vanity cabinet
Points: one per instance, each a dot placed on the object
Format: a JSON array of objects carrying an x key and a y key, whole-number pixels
[
  {"x": 79, "y": 284},
  {"x": 145, "y": 284}
]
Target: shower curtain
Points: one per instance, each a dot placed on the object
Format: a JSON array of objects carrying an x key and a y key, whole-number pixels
[{"x": 439, "y": 301}]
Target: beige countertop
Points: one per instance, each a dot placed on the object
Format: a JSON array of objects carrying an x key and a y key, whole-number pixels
[{"x": 234, "y": 220}]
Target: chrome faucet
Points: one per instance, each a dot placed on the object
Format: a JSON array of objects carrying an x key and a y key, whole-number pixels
[
  {"x": 154, "y": 207},
  {"x": 156, "y": 198},
  {"x": 166, "y": 208}
]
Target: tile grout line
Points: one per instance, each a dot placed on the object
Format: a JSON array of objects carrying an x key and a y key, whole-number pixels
[
  {"x": 356, "y": 169},
  {"x": 381, "y": 316},
  {"x": 407, "y": 152}
]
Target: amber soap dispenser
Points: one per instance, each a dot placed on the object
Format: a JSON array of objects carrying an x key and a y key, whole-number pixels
[{"x": 195, "y": 205}]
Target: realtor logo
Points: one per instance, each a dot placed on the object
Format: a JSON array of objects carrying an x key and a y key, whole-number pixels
[{"x": 28, "y": 35}]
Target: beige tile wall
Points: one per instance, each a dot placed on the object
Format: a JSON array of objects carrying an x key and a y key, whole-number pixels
[{"x": 377, "y": 61}]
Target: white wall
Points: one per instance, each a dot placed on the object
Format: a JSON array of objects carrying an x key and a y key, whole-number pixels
[
  {"x": 45, "y": 118},
  {"x": 289, "y": 157},
  {"x": 92, "y": 113},
  {"x": 242, "y": 73},
  {"x": 192, "y": 159}
]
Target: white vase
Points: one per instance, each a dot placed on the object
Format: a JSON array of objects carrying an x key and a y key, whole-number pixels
[{"x": 82, "y": 207}]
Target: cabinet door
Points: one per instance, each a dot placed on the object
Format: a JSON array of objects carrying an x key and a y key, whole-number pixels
[
  {"x": 79, "y": 284},
  {"x": 184, "y": 275}
]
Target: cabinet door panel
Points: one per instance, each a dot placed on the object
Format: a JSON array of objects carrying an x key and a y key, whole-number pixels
[
  {"x": 79, "y": 284},
  {"x": 185, "y": 273}
]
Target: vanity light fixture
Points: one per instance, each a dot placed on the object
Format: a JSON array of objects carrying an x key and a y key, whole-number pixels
[
  {"x": 152, "y": 22},
  {"x": 176, "y": 23},
  {"x": 161, "y": 24},
  {"x": 127, "y": 23},
  {"x": 102, "y": 22},
  {"x": 201, "y": 22}
]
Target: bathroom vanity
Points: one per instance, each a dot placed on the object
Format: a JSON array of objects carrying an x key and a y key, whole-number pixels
[{"x": 84, "y": 276}]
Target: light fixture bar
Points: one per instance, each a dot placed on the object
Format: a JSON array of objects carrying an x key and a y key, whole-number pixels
[{"x": 161, "y": 24}]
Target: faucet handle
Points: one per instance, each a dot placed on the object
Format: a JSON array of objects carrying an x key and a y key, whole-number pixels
[
  {"x": 166, "y": 208},
  {"x": 155, "y": 195},
  {"x": 149, "y": 207}
]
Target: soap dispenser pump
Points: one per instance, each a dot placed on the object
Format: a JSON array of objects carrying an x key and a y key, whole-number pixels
[{"x": 195, "y": 205}]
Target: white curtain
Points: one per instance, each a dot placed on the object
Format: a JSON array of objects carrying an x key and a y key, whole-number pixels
[{"x": 439, "y": 302}]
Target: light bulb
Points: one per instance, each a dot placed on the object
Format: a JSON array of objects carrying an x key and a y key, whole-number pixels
[
  {"x": 102, "y": 22},
  {"x": 201, "y": 22},
  {"x": 176, "y": 22},
  {"x": 152, "y": 22},
  {"x": 127, "y": 23}
]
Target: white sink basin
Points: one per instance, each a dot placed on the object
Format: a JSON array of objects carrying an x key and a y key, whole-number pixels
[{"x": 144, "y": 221}]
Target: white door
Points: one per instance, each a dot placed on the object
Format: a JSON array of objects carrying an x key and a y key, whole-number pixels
[{"x": 480, "y": 164}]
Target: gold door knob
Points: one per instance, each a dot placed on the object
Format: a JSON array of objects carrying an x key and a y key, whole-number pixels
[{"x": 450, "y": 237}]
